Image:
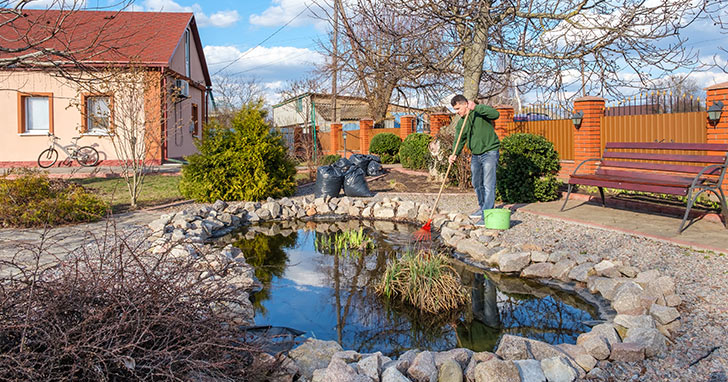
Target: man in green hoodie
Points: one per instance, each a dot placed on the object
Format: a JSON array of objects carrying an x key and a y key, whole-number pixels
[{"x": 483, "y": 144}]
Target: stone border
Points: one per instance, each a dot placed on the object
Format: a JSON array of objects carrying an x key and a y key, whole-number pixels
[{"x": 644, "y": 301}]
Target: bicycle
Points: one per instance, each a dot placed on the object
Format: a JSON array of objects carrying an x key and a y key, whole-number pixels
[{"x": 86, "y": 156}]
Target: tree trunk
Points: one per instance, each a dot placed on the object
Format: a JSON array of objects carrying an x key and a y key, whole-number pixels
[{"x": 473, "y": 56}]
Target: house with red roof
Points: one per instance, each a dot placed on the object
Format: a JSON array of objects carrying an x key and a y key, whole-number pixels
[{"x": 48, "y": 61}]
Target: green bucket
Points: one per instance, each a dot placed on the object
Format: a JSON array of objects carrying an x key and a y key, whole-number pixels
[{"x": 497, "y": 218}]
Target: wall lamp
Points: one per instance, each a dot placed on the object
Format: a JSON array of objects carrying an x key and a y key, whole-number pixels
[
  {"x": 577, "y": 117},
  {"x": 714, "y": 112}
]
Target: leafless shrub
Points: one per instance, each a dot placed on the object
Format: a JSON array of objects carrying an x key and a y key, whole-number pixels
[{"x": 113, "y": 311}]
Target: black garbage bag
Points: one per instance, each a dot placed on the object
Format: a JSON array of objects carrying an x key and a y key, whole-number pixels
[
  {"x": 374, "y": 158},
  {"x": 355, "y": 184},
  {"x": 361, "y": 161},
  {"x": 328, "y": 181},
  {"x": 374, "y": 169},
  {"x": 342, "y": 165}
]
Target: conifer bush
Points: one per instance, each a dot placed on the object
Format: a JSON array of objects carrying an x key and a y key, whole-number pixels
[
  {"x": 244, "y": 161},
  {"x": 414, "y": 152},
  {"x": 386, "y": 145}
]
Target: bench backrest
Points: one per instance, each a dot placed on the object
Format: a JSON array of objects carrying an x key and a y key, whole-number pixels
[{"x": 701, "y": 155}]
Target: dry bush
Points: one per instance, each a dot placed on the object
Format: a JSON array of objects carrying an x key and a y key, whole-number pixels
[{"x": 112, "y": 311}]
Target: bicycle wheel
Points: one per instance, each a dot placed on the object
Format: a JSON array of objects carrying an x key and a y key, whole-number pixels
[
  {"x": 47, "y": 158},
  {"x": 87, "y": 156}
]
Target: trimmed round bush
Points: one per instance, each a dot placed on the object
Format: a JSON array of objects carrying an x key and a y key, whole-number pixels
[
  {"x": 244, "y": 161},
  {"x": 33, "y": 200},
  {"x": 386, "y": 145},
  {"x": 414, "y": 153},
  {"x": 527, "y": 169}
]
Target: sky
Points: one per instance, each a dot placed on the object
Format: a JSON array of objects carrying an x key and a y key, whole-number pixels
[{"x": 274, "y": 41}]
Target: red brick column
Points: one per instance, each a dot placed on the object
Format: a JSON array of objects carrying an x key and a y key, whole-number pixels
[
  {"x": 365, "y": 134},
  {"x": 504, "y": 123},
  {"x": 335, "y": 138},
  {"x": 437, "y": 122},
  {"x": 406, "y": 125},
  {"x": 587, "y": 138},
  {"x": 718, "y": 133}
]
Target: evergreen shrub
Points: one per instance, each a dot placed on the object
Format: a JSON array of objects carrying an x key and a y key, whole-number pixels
[
  {"x": 330, "y": 159},
  {"x": 386, "y": 145},
  {"x": 527, "y": 169},
  {"x": 244, "y": 161},
  {"x": 414, "y": 152}
]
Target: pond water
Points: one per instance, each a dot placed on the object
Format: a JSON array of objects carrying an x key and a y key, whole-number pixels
[{"x": 331, "y": 297}]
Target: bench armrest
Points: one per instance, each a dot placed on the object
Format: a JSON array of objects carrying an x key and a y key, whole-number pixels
[
  {"x": 584, "y": 161},
  {"x": 708, "y": 170}
]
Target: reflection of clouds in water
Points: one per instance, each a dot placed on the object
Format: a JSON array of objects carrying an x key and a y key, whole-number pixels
[{"x": 303, "y": 268}]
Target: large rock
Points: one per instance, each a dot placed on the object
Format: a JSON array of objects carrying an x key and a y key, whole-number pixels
[
  {"x": 473, "y": 248},
  {"x": 629, "y": 298},
  {"x": 513, "y": 347},
  {"x": 459, "y": 355},
  {"x": 393, "y": 375},
  {"x": 474, "y": 360},
  {"x": 514, "y": 262},
  {"x": 423, "y": 368},
  {"x": 382, "y": 212},
  {"x": 530, "y": 370},
  {"x": 643, "y": 278},
  {"x": 562, "y": 268},
  {"x": 558, "y": 369},
  {"x": 594, "y": 344},
  {"x": 624, "y": 322},
  {"x": 655, "y": 343},
  {"x": 407, "y": 210},
  {"x": 313, "y": 354},
  {"x": 538, "y": 270},
  {"x": 607, "y": 268},
  {"x": 608, "y": 332},
  {"x": 579, "y": 355},
  {"x": 450, "y": 371},
  {"x": 663, "y": 314},
  {"x": 582, "y": 271},
  {"x": 496, "y": 370},
  {"x": 539, "y": 256},
  {"x": 371, "y": 366},
  {"x": 339, "y": 371},
  {"x": 627, "y": 352}
]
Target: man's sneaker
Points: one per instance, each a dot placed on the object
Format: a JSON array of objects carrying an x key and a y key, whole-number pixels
[
  {"x": 477, "y": 214},
  {"x": 480, "y": 223}
]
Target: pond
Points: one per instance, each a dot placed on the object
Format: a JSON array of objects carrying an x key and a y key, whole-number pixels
[{"x": 331, "y": 297}]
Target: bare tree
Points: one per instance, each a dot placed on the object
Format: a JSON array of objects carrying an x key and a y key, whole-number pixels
[
  {"x": 132, "y": 117},
  {"x": 231, "y": 93},
  {"x": 596, "y": 46}
]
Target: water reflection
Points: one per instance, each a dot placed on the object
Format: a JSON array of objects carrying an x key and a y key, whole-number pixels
[{"x": 332, "y": 297}]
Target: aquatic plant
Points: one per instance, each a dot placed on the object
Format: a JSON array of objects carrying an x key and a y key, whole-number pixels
[
  {"x": 424, "y": 280},
  {"x": 346, "y": 243}
]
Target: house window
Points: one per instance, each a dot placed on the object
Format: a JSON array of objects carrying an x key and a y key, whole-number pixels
[
  {"x": 299, "y": 105},
  {"x": 97, "y": 114},
  {"x": 195, "y": 121},
  {"x": 35, "y": 113},
  {"x": 187, "y": 53}
]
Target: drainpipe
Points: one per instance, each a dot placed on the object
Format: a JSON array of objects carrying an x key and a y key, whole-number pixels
[
  {"x": 313, "y": 122},
  {"x": 164, "y": 120}
]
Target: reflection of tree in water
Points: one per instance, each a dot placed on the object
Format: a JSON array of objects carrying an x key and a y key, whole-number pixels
[{"x": 266, "y": 254}]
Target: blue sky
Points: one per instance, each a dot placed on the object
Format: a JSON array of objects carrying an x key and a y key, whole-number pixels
[{"x": 242, "y": 38}]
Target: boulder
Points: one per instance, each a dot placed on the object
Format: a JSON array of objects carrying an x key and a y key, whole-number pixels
[
  {"x": 538, "y": 270},
  {"x": 562, "y": 268},
  {"x": 594, "y": 344},
  {"x": 371, "y": 366},
  {"x": 513, "y": 347},
  {"x": 608, "y": 332},
  {"x": 459, "y": 355},
  {"x": 628, "y": 299},
  {"x": 579, "y": 355},
  {"x": 627, "y": 352},
  {"x": 496, "y": 370},
  {"x": 663, "y": 314},
  {"x": 514, "y": 262},
  {"x": 450, "y": 371},
  {"x": 339, "y": 371},
  {"x": 393, "y": 375},
  {"x": 313, "y": 354},
  {"x": 423, "y": 368},
  {"x": 581, "y": 271},
  {"x": 474, "y": 360},
  {"x": 654, "y": 342},
  {"x": 607, "y": 268},
  {"x": 530, "y": 370},
  {"x": 628, "y": 271},
  {"x": 558, "y": 369},
  {"x": 645, "y": 277},
  {"x": 624, "y": 322},
  {"x": 539, "y": 256}
]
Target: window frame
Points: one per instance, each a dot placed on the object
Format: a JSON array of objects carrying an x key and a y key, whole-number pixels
[
  {"x": 22, "y": 112},
  {"x": 84, "y": 113},
  {"x": 195, "y": 120}
]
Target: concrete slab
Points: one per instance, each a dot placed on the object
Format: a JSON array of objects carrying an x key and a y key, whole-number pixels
[{"x": 701, "y": 233}]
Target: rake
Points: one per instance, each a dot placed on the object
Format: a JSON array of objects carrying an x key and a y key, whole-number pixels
[{"x": 425, "y": 233}]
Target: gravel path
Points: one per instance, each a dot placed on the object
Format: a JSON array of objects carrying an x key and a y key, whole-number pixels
[{"x": 701, "y": 280}]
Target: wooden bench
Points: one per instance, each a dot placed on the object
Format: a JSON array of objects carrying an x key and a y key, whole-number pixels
[{"x": 660, "y": 171}]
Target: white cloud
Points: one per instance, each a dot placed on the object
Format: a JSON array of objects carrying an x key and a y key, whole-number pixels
[
  {"x": 220, "y": 19},
  {"x": 261, "y": 61},
  {"x": 281, "y": 12}
]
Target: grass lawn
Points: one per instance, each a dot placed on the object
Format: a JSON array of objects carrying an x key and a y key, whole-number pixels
[{"x": 156, "y": 190}]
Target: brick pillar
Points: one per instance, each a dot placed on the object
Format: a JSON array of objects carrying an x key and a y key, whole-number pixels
[
  {"x": 718, "y": 133},
  {"x": 406, "y": 125},
  {"x": 437, "y": 122},
  {"x": 335, "y": 138},
  {"x": 504, "y": 123},
  {"x": 365, "y": 134},
  {"x": 587, "y": 138}
]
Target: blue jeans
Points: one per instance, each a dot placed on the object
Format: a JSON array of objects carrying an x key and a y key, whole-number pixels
[{"x": 483, "y": 167}]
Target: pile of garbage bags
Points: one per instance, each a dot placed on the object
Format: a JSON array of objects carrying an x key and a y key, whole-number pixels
[{"x": 349, "y": 174}]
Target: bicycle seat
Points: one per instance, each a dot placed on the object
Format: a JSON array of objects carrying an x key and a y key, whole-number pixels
[{"x": 75, "y": 138}]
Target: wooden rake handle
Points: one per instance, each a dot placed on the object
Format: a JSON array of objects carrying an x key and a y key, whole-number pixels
[{"x": 449, "y": 166}]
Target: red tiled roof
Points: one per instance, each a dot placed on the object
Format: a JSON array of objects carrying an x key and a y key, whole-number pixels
[{"x": 97, "y": 37}]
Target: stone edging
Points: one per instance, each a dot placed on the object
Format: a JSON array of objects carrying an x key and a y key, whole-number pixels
[{"x": 645, "y": 301}]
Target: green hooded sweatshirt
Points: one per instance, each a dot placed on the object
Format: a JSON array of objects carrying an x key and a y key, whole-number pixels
[{"x": 479, "y": 132}]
